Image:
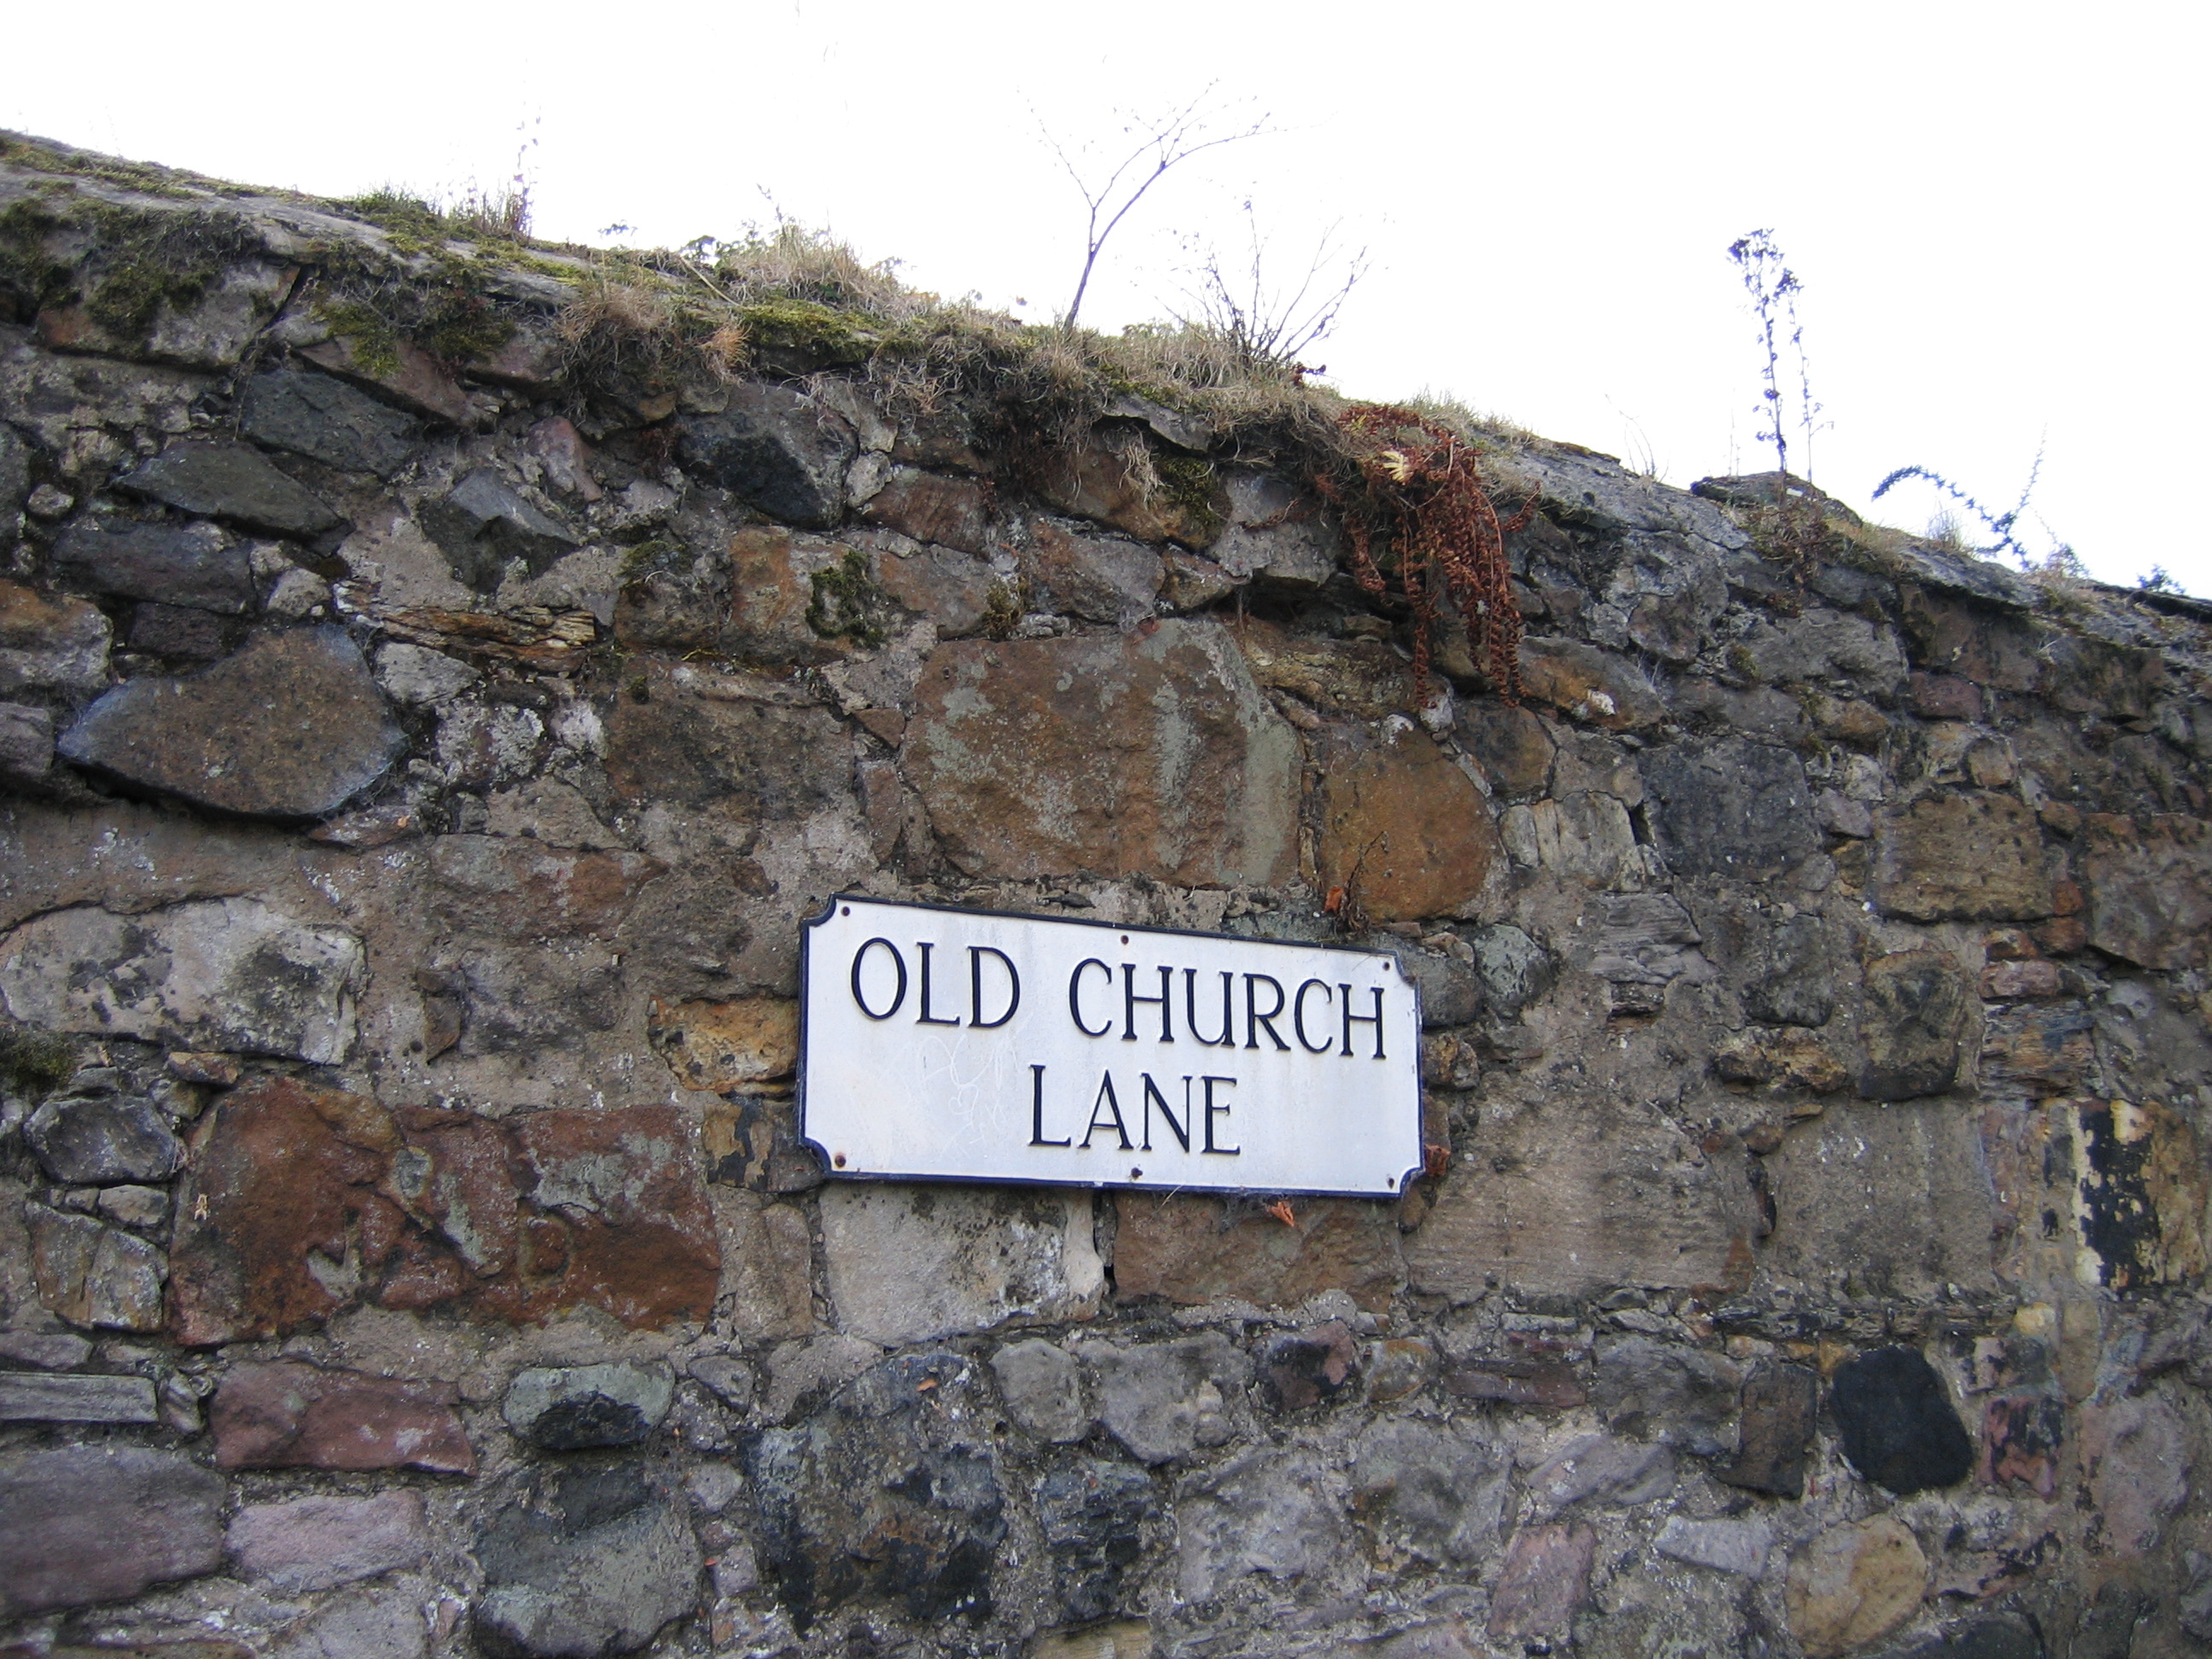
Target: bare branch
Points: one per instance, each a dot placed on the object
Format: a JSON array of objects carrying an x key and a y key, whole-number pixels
[
  {"x": 1168, "y": 142},
  {"x": 1265, "y": 325}
]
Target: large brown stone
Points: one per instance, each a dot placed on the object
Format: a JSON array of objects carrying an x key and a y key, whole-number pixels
[
  {"x": 300, "y": 1200},
  {"x": 1587, "y": 1194},
  {"x": 293, "y": 1416},
  {"x": 1403, "y": 830},
  {"x": 931, "y": 507},
  {"x": 1102, "y": 578},
  {"x": 1589, "y": 684},
  {"x": 1972, "y": 857},
  {"x": 2149, "y": 888},
  {"x": 292, "y": 727},
  {"x": 1852, "y": 1584},
  {"x": 1152, "y": 753},
  {"x": 1192, "y": 1249},
  {"x": 685, "y": 747},
  {"x": 80, "y": 1524}
]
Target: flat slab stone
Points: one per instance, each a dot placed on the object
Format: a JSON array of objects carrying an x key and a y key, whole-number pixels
[
  {"x": 292, "y": 1416},
  {"x": 1973, "y": 857},
  {"x": 231, "y": 975},
  {"x": 292, "y": 727},
  {"x": 319, "y": 1543},
  {"x": 233, "y": 483},
  {"x": 1154, "y": 753},
  {"x": 194, "y": 566},
  {"x": 1403, "y": 830},
  {"x": 82, "y": 1524},
  {"x": 32, "y": 1397},
  {"x": 325, "y": 420}
]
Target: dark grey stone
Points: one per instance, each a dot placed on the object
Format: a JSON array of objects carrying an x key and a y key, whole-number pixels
[
  {"x": 1789, "y": 974},
  {"x": 97, "y": 1137},
  {"x": 482, "y": 523},
  {"x": 232, "y": 483},
  {"x": 325, "y": 420},
  {"x": 81, "y": 1524},
  {"x": 1644, "y": 1387},
  {"x": 901, "y": 1453},
  {"x": 1093, "y": 1517},
  {"x": 1513, "y": 969},
  {"x": 570, "y": 1407},
  {"x": 30, "y": 1397},
  {"x": 2107, "y": 1626},
  {"x": 1729, "y": 806},
  {"x": 1451, "y": 991},
  {"x": 292, "y": 727},
  {"x": 192, "y": 565},
  {"x": 583, "y": 1561},
  {"x": 1781, "y": 1404},
  {"x": 779, "y": 449},
  {"x": 1899, "y": 1427},
  {"x": 1913, "y": 1024}
]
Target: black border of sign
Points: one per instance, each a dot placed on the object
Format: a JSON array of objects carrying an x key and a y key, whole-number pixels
[{"x": 822, "y": 1153}]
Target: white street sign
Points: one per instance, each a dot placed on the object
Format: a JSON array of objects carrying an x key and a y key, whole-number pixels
[{"x": 967, "y": 1046}]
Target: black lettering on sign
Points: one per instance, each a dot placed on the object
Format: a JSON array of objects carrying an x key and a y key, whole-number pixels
[
  {"x": 1254, "y": 1021},
  {"x": 1298, "y": 1018},
  {"x": 1037, "y": 1109},
  {"x": 1109, "y": 1100},
  {"x": 1351, "y": 1019},
  {"x": 1228, "y": 1037},
  {"x": 975, "y": 955},
  {"x": 1153, "y": 1096},
  {"x": 924, "y": 1018},
  {"x": 1213, "y": 1111},
  {"x": 897, "y": 961},
  {"x": 1130, "y": 1000},
  {"x": 1075, "y": 996}
]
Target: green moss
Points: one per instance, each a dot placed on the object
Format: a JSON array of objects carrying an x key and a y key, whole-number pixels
[
  {"x": 833, "y": 338},
  {"x": 1192, "y": 485},
  {"x": 375, "y": 341},
  {"x": 845, "y": 599},
  {"x": 35, "y": 1063},
  {"x": 108, "y": 170}
]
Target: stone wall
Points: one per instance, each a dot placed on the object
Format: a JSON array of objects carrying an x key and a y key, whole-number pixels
[{"x": 417, "y": 772}]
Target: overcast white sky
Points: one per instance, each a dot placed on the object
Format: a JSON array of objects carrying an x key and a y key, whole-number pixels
[{"x": 1999, "y": 211}]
